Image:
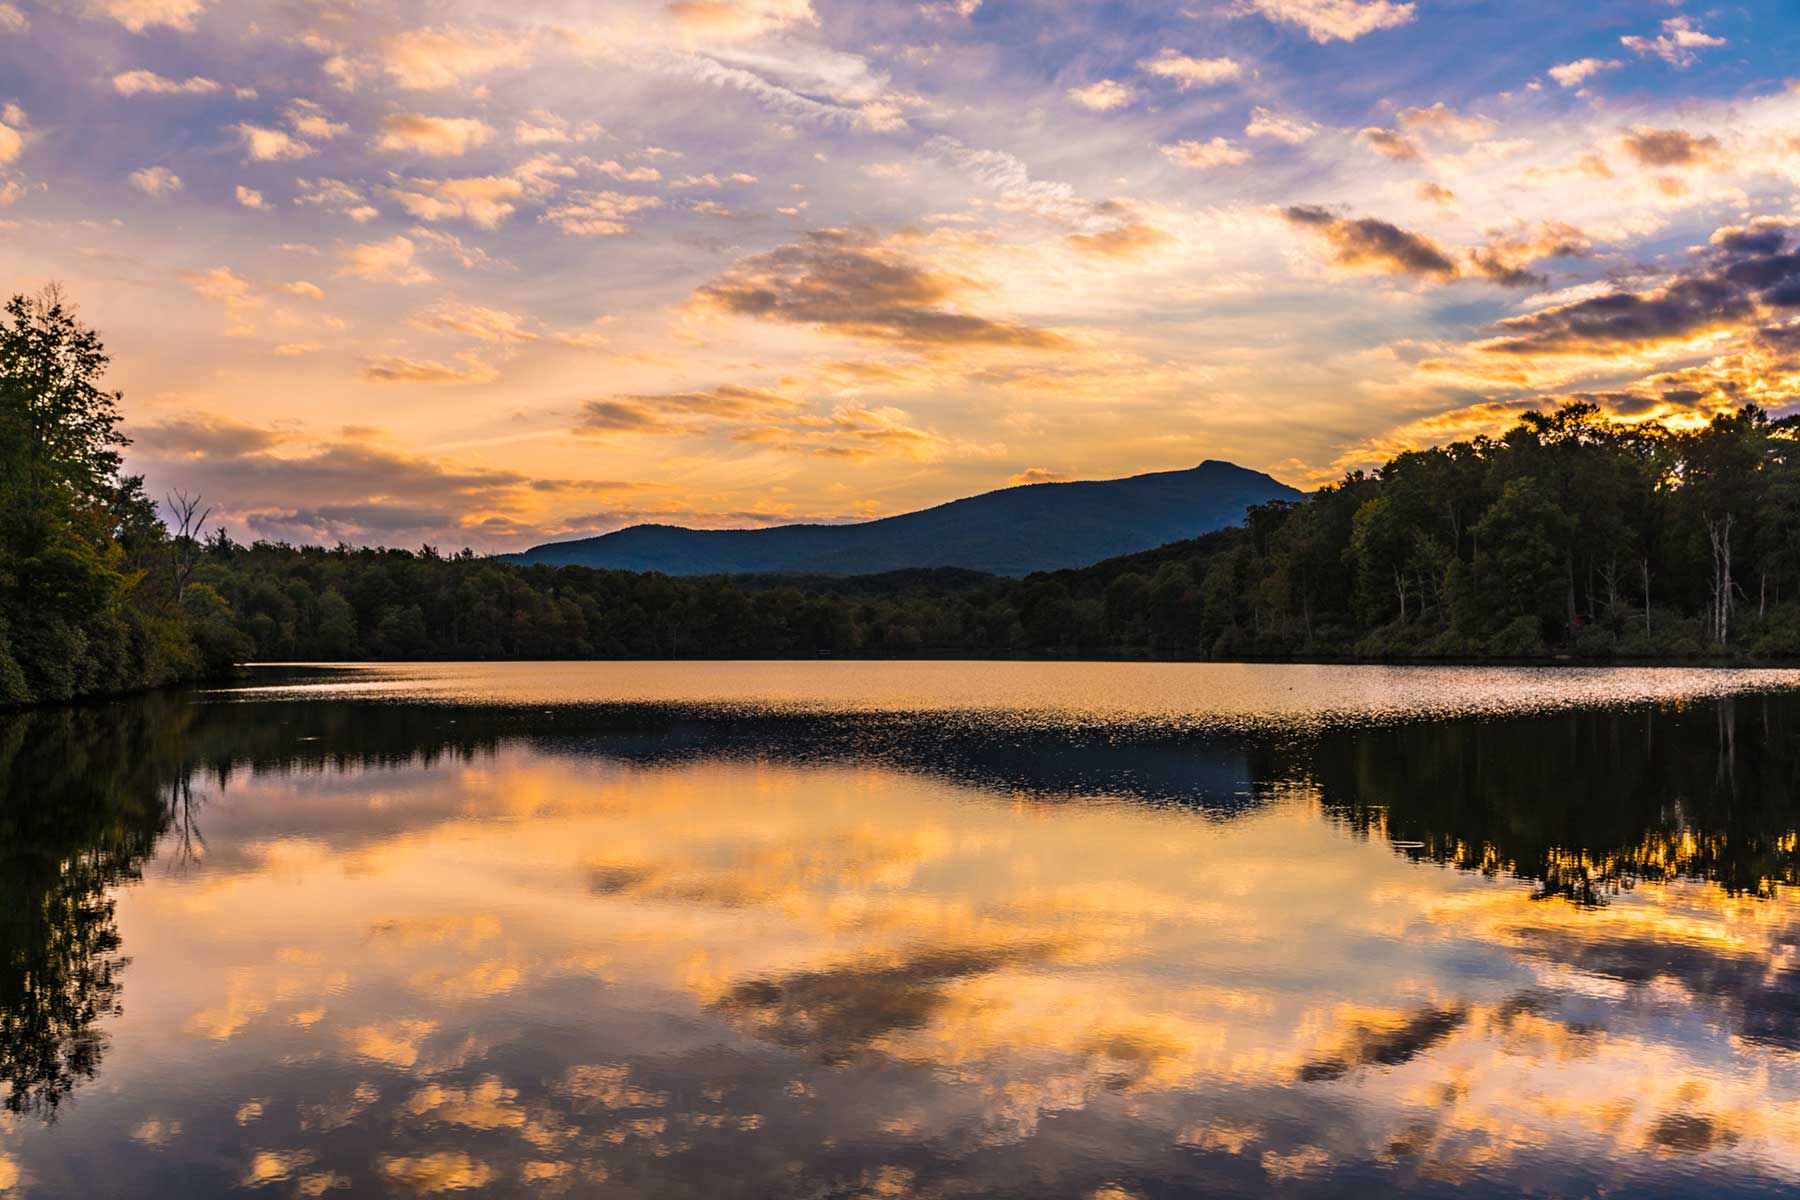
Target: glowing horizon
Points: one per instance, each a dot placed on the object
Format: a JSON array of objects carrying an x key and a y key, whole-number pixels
[{"x": 491, "y": 275}]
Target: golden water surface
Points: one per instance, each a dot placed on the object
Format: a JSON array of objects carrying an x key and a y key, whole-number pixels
[{"x": 906, "y": 930}]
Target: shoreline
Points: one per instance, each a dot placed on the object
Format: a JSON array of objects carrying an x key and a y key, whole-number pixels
[{"x": 1546, "y": 662}]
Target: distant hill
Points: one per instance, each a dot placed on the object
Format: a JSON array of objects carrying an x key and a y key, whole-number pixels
[{"x": 1014, "y": 531}]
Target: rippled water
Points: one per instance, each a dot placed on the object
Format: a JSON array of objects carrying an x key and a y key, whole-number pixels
[
  {"x": 939, "y": 929},
  {"x": 1179, "y": 696}
]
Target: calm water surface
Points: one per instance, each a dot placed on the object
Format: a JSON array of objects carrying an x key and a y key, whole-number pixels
[{"x": 887, "y": 930}]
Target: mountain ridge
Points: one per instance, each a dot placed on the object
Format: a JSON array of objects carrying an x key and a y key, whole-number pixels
[{"x": 1011, "y": 531}]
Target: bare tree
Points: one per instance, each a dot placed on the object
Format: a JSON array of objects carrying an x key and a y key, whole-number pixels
[
  {"x": 1719, "y": 534},
  {"x": 190, "y": 519}
]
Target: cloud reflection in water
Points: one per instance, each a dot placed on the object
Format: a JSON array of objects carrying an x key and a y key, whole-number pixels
[{"x": 450, "y": 949}]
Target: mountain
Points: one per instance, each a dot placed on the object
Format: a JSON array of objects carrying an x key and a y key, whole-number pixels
[{"x": 1014, "y": 531}]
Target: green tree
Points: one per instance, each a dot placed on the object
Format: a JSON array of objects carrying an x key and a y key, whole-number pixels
[{"x": 335, "y": 637}]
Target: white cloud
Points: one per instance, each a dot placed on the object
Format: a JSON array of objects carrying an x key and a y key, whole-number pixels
[
  {"x": 1442, "y": 121},
  {"x": 134, "y": 83},
  {"x": 1573, "y": 74},
  {"x": 328, "y": 193},
  {"x": 484, "y": 200},
  {"x": 1329, "y": 20},
  {"x": 1103, "y": 95},
  {"x": 1292, "y": 130},
  {"x": 139, "y": 15},
  {"x": 394, "y": 368},
  {"x": 1008, "y": 176},
  {"x": 481, "y": 323},
  {"x": 1679, "y": 44},
  {"x": 156, "y": 181},
  {"x": 1389, "y": 143},
  {"x": 250, "y": 197},
  {"x": 220, "y": 283},
  {"x": 528, "y": 134},
  {"x": 599, "y": 214},
  {"x": 543, "y": 128},
  {"x": 1189, "y": 72},
  {"x": 309, "y": 120},
  {"x": 1200, "y": 155},
  {"x": 226, "y": 287},
  {"x": 424, "y": 59},
  {"x": 542, "y": 175},
  {"x": 12, "y": 142},
  {"x": 271, "y": 145},
  {"x": 445, "y": 137},
  {"x": 625, "y": 174},
  {"x": 390, "y": 261},
  {"x": 12, "y": 20},
  {"x": 467, "y": 256},
  {"x": 736, "y": 20}
]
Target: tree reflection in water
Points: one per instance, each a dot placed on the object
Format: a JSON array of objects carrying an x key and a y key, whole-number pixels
[
  {"x": 85, "y": 794},
  {"x": 1583, "y": 804}
]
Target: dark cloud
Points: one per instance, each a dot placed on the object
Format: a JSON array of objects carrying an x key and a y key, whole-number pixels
[
  {"x": 1764, "y": 235},
  {"x": 1493, "y": 266},
  {"x": 1782, "y": 342},
  {"x": 1507, "y": 257},
  {"x": 1365, "y": 242},
  {"x": 201, "y": 436},
  {"x": 680, "y": 413},
  {"x": 394, "y": 368},
  {"x": 1384, "y": 1046},
  {"x": 1389, "y": 144},
  {"x": 1759, "y": 997},
  {"x": 1651, "y": 147},
  {"x": 847, "y": 433},
  {"x": 837, "y": 1014},
  {"x": 280, "y": 484},
  {"x": 585, "y": 487},
  {"x": 1745, "y": 273},
  {"x": 760, "y": 418},
  {"x": 598, "y": 418},
  {"x": 1626, "y": 319},
  {"x": 852, "y": 282}
]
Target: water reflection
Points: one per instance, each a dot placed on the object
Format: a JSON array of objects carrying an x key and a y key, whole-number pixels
[
  {"x": 683, "y": 947},
  {"x": 1584, "y": 804},
  {"x": 84, "y": 797}
]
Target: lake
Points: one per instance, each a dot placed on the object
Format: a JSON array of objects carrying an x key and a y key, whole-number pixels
[{"x": 905, "y": 930}]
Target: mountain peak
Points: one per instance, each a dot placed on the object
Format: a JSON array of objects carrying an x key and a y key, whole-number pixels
[{"x": 1012, "y": 531}]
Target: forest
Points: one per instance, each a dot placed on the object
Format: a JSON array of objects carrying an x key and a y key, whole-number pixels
[{"x": 1570, "y": 535}]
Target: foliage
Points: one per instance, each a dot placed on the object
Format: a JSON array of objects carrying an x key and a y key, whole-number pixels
[{"x": 85, "y": 604}]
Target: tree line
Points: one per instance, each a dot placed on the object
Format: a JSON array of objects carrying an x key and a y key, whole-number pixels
[{"x": 1571, "y": 534}]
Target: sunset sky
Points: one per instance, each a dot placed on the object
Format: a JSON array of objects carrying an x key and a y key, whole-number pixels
[{"x": 490, "y": 274}]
